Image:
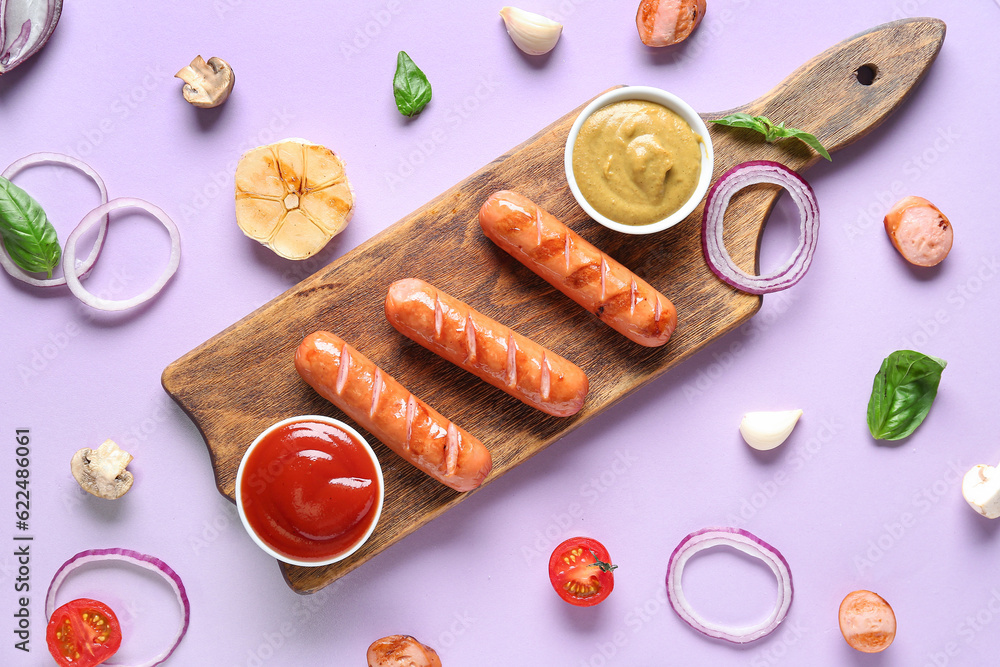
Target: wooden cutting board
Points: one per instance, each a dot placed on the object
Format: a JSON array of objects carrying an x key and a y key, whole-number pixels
[{"x": 243, "y": 379}]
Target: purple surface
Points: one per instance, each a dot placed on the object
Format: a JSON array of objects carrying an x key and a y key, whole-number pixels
[{"x": 846, "y": 512}]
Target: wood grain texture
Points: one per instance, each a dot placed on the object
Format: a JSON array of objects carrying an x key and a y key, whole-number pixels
[{"x": 243, "y": 379}]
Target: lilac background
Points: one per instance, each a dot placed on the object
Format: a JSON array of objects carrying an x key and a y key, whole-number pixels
[{"x": 846, "y": 512}]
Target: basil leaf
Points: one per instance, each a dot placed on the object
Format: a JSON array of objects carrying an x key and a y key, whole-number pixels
[
  {"x": 27, "y": 235},
  {"x": 902, "y": 394},
  {"x": 808, "y": 139},
  {"x": 743, "y": 120},
  {"x": 773, "y": 132},
  {"x": 410, "y": 86}
]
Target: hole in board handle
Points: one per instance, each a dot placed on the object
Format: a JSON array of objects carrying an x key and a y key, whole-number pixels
[{"x": 866, "y": 74}]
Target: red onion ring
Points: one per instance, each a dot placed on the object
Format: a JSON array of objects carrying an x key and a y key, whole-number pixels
[
  {"x": 66, "y": 160},
  {"x": 737, "y": 178},
  {"x": 749, "y": 544},
  {"x": 93, "y": 218},
  {"x": 150, "y": 563}
]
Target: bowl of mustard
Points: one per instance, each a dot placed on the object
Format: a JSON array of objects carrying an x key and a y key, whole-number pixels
[{"x": 639, "y": 159}]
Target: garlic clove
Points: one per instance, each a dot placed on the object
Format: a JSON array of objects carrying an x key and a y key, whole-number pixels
[
  {"x": 532, "y": 33},
  {"x": 767, "y": 430},
  {"x": 981, "y": 488}
]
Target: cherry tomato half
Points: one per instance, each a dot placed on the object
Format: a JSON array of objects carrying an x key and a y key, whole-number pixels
[
  {"x": 83, "y": 633},
  {"x": 580, "y": 570}
]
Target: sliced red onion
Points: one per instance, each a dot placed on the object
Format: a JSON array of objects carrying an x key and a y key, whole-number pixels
[
  {"x": 737, "y": 178},
  {"x": 66, "y": 160},
  {"x": 752, "y": 546},
  {"x": 95, "y": 216},
  {"x": 150, "y": 563},
  {"x": 25, "y": 27}
]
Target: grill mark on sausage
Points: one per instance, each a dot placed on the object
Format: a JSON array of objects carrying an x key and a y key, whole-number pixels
[
  {"x": 604, "y": 277},
  {"x": 657, "y": 311},
  {"x": 548, "y": 249},
  {"x": 438, "y": 315},
  {"x": 451, "y": 449},
  {"x": 567, "y": 250},
  {"x": 585, "y": 275},
  {"x": 342, "y": 372},
  {"x": 376, "y": 392},
  {"x": 538, "y": 226},
  {"x": 411, "y": 414},
  {"x": 470, "y": 337},
  {"x": 511, "y": 360},
  {"x": 546, "y": 381},
  {"x": 634, "y": 296}
]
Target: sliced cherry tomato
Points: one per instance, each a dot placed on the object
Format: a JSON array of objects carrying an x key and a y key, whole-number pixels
[
  {"x": 580, "y": 570},
  {"x": 83, "y": 633}
]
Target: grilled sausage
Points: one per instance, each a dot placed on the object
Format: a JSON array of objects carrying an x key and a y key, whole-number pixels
[
  {"x": 384, "y": 408},
  {"x": 666, "y": 22},
  {"x": 537, "y": 239},
  {"x": 484, "y": 347}
]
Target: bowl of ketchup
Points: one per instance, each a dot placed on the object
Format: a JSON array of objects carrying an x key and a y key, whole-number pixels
[{"x": 309, "y": 490}]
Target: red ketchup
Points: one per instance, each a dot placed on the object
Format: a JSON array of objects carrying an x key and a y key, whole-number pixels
[{"x": 310, "y": 490}]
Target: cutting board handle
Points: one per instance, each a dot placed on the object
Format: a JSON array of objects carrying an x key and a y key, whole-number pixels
[
  {"x": 848, "y": 90},
  {"x": 830, "y": 97}
]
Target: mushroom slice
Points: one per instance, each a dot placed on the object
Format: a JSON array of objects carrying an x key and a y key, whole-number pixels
[
  {"x": 981, "y": 488},
  {"x": 101, "y": 472},
  {"x": 207, "y": 84}
]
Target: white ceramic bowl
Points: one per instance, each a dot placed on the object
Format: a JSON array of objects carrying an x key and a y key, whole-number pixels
[
  {"x": 682, "y": 109},
  {"x": 264, "y": 545}
]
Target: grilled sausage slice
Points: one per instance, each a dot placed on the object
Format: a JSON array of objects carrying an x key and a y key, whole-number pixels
[
  {"x": 920, "y": 231},
  {"x": 666, "y": 22}
]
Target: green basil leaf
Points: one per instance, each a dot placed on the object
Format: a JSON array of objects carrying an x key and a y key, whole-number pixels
[
  {"x": 28, "y": 236},
  {"x": 742, "y": 120},
  {"x": 808, "y": 139},
  {"x": 902, "y": 394},
  {"x": 410, "y": 86},
  {"x": 772, "y": 132}
]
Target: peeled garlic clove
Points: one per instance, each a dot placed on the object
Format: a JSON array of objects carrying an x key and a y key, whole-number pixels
[
  {"x": 981, "y": 488},
  {"x": 767, "y": 430},
  {"x": 533, "y": 33}
]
